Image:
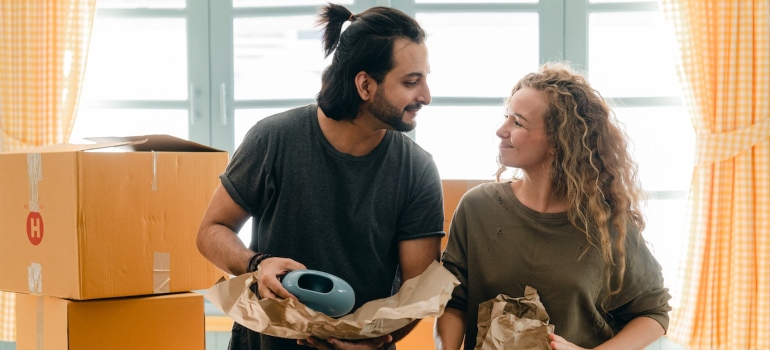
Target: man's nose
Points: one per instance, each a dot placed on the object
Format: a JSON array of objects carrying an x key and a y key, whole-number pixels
[{"x": 424, "y": 96}]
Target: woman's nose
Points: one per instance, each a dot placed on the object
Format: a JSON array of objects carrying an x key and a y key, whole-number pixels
[{"x": 502, "y": 132}]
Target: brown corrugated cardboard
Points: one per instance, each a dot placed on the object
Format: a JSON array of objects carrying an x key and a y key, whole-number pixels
[
  {"x": 172, "y": 321},
  {"x": 106, "y": 220}
]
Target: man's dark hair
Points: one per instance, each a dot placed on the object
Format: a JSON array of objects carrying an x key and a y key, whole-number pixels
[{"x": 366, "y": 45}]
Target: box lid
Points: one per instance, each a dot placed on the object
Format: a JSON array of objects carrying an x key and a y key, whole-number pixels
[
  {"x": 157, "y": 143},
  {"x": 144, "y": 143}
]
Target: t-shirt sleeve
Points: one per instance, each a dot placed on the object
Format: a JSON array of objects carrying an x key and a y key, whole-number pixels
[
  {"x": 245, "y": 178},
  {"x": 643, "y": 293},
  {"x": 424, "y": 213},
  {"x": 455, "y": 259}
]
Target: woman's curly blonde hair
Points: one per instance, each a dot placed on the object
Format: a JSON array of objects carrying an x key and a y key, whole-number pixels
[{"x": 592, "y": 168}]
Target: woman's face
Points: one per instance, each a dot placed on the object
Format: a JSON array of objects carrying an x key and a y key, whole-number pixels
[{"x": 523, "y": 142}]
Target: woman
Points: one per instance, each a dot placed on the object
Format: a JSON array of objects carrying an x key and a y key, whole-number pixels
[{"x": 569, "y": 225}]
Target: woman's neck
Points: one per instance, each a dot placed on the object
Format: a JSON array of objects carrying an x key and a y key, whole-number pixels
[{"x": 538, "y": 195}]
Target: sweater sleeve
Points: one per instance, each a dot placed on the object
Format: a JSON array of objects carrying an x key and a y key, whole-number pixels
[{"x": 643, "y": 293}]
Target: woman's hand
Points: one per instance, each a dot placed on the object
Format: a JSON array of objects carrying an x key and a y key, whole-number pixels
[
  {"x": 559, "y": 343},
  {"x": 334, "y": 344}
]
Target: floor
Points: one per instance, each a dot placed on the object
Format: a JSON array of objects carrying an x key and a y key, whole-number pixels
[{"x": 219, "y": 340}]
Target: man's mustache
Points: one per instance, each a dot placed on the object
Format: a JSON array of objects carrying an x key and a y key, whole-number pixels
[{"x": 414, "y": 107}]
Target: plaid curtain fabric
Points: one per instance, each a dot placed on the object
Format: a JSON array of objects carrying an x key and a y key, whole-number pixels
[
  {"x": 7, "y": 321},
  {"x": 725, "y": 65},
  {"x": 43, "y": 45}
]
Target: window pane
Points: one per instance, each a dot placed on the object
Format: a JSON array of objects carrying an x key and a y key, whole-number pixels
[
  {"x": 138, "y": 4},
  {"x": 611, "y": 1},
  {"x": 632, "y": 54},
  {"x": 246, "y": 118},
  {"x": 462, "y": 140},
  {"x": 474, "y": 2},
  {"x": 277, "y": 57},
  {"x": 665, "y": 233},
  {"x": 265, "y": 3},
  {"x": 663, "y": 144},
  {"x": 128, "y": 122},
  {"x": 467, "y": 60},
  {"x": 137, "y": 59}
]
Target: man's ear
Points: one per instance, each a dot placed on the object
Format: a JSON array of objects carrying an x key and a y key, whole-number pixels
[{"x": 365, "y": 85}]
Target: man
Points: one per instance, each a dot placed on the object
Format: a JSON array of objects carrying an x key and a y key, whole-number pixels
[{"x": 336, "y": 186}]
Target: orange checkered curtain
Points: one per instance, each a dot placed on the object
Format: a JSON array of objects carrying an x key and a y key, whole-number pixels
[
  {"x": 725, "y": 65},
  {"x": 43, "y": 45}
]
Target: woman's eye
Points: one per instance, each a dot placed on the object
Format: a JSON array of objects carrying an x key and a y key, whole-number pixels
[{"x": 515, "y": 120}]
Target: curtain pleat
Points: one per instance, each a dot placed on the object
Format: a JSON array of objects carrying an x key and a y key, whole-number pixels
[
  {"x": 43, "y": 46},
  {"x": 725, "y": 275}
]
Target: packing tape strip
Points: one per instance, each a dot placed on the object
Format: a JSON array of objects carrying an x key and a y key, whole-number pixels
[
  {"x": 35, "y": 278},
  {"x": 35, "y": 284},
  {"x": 39, "y": 326},
  {"x": 154, "y": 170},
  {"x": 35, "y": 173},
  {"x": 161, "y": 272}
]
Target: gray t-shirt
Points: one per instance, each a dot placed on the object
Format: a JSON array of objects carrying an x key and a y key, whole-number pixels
[
  {"x": 496, "y": 245},
  {"x": 331, "y": 211}
]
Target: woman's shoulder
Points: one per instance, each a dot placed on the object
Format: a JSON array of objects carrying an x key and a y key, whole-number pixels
[{"x": 484, "y": 192}]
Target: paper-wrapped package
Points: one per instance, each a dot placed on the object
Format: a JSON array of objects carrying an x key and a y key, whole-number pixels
[
  {"x": 423, "y": 296},
  {"x": 507, "y": 323}
]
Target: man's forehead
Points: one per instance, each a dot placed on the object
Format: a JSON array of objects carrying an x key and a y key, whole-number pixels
[{"x": 410, "y": 59}]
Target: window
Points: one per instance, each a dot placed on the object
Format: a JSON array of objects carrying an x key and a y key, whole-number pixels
[{"x": 207, "y": 70}]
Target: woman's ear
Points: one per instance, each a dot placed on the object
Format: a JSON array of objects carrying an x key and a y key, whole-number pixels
[{"x": 365, "y": 85}]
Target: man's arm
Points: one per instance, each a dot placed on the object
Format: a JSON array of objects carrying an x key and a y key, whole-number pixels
[
  {"x": 414, "y": 258},
  {"x": 217, "y": 238},
  {"x": 218, "y": 242}
]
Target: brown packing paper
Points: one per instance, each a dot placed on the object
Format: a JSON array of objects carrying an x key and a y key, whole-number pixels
[
  {"x": 507, "y": 323},
  {"x": 423, "y": 296}
]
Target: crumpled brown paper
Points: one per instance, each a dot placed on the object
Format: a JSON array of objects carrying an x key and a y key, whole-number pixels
[
  {"x": 507, "y": 323},
  {"x": 422, "y": 296}
]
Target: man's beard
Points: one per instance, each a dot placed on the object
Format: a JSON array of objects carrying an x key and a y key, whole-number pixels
[{"x": 389, "y": 114}]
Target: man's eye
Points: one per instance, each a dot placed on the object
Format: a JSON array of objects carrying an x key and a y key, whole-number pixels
[{"x": 410, "y": 83}]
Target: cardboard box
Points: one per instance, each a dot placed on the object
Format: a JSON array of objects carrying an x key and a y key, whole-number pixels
[
  {"x": 172, "y": 321},
  {"x": 118, "y": 218}
]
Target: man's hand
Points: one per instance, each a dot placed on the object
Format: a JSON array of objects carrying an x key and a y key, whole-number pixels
[
  {"x": 270, "y": 272},
  {"x": 335, "y": 344}
]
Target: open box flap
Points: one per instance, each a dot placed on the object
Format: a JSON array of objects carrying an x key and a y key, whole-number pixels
[
  {"x": 67, "y": 147},
  {"x": 146, "y": 143},
  {"x": 158, "y": 143}
]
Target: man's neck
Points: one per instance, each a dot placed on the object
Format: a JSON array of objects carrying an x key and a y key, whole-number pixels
[{"x": 357, "y": 137}]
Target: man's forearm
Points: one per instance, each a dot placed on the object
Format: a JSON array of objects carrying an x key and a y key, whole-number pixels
[
  {"x": 225, "y": 249},
  {"x": 400, "y": 334}
]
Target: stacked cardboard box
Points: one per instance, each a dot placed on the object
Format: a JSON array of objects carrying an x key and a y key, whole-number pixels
[
  {"x": 104, "y": 228},
  {"x": 169, "y": 321}
]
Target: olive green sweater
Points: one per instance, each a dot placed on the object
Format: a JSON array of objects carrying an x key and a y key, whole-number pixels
[{"x": 498, "y": 246}]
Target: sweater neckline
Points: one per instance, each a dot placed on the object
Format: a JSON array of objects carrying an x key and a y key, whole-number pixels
[{"x": 506, "y": 187}]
